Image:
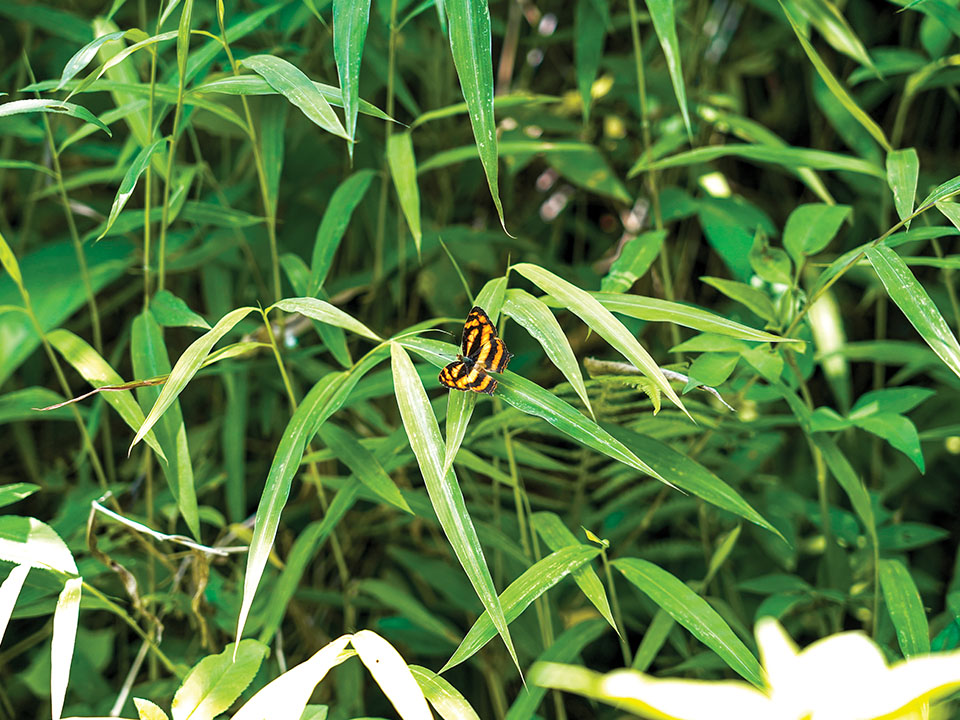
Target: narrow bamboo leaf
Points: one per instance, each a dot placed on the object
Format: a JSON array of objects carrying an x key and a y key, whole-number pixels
[
  {"x": 350, "y": 21},
  {"x": 536, "y": 318},
  {"x": 847, "y": 479},
  {"x": 905, "y": 606},
  {"x": 565, "y": 649},
  {"x": 831, "y": 23},
  {"x": 588, "y": 36},
  {"x": 86, "y": 54},
  {"x": 290, "y": 82},
  {"x": 530, "y": 398},
  {"x": 694, "y": 613},
  {"x": 149, "y": 358},
  {"x": 336, "y": 217},
  {"x": 256, "y": 85},
  {"x": 325, "y": 312},
  {"x": 945, "y": 191},
  {"x": 460, "y": 405},
  {"x": 9, "y": 262},
  {"x": 792, "y": 157},
  {"x": 590, "y": 170},
  {"x": 470, "y": 43},
  {"x": 587, "y": 308},
  {"x": 403, "y": 170},
  {"x": 838, "y": 90},
  {"x": 445, "y": 698},
  {"x": 751, "y": 298},
  {"x": 324, "y": 399},
  {"x": 116, "y": 59},
  {"x": 129, "y": 182},
  {"x": 634, "y": 260},
  {"x": 304, "y": 548},
  {"x": 556, "y": 535},
  {"x": 98, "y": 372},
  {"x": 951, "y": 211},
  {"x": 363, "y": 464},
  {"x": 915, "y": 303},
  {"x": 445, "y": 495},
  {"x": 26, "y": 165},
  {"x": 665, "y": 25},
  {"x": 27, "y": 541},
  {"x": 215, "y": 683},
  {"x": 15, "y": 492},
  {"x": 286, "y": 697},
  {"x": 187, "y": 366},
  {"x": 518, "y": 596},
  {"x": 903, "y": 168},
  {"x": 9, "y": 592},
  {"x": 392, "y": 675},
  {"x": 273, "y": 123},
  {"x": 183, "y": 42},
  {"x": 18, "y": 107},
  {"x": 811, "y": 227},
  {"x": 65, "y": 619},
  {"x": 171, "y": 311}
]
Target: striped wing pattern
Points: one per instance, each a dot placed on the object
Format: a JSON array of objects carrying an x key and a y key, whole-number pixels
[{"x": 481, "y": 351}]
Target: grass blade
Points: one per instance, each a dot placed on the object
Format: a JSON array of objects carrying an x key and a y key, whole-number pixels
[
  {"x": 593, "y": 313},
  {"x": 903, "y": 169},
  {"x": 296, "y": 87},
  {"x": 403, "y": 170},
  {"x": 535, "y": 317},
  {"x": 350, "y": 21},
  {"x": 665, "y": 25},
  {"x": 694, "y": 613},
  {"x": 445, "y": 495},
  {"x": 19, "y": 107},
  {"x": 905, "y": 607},
  {"x": 915, "y": 303},
  {"x": 129, "y": 182},
  {"x": 470, "y": 43},
  {"x": 518, "y": 596},
  {"x": 337, "y": 216}
]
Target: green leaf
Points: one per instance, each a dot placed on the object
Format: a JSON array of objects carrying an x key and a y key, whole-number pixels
[
  {"x": 834, "y": 85},
  {"x": 896, "y": 430},
  {"x": 635, "y": 258},
  {"x": 129, "y": 182},
  {"x": 589, "y": 169},
  {"x": 810, "y": 228},
  {"x": 363, "y": 464},
  {"x": 556, "y": 535},
  {"x": 336, "y": 218},
  {"x": 424, "y": 434},
  {"x": 290, "y": 82},
  {"x": 389, "y": 595},
  {"x": 149, "y": 358},
  {"x": 27, "y": 541},
  {"x": 532, "y": 399},
  {"x": 748, "y": 296},
  {"x": 326, "y": 313},
  {"x": 535, "y": 317},
  {"x": 791, "y": 157},
  {"x": 951, "y": 211},
  {"x": 890, "y": 400},
  {"x": 15, "y": 492},
  {"x": 10, "y": 590},
  {"x": 445, "y": 698},
  {"x": 689, "y": 475},
  {"x": 214, "y": 683},
  {"x": 770, "y": 263},
  {"x": 470, "y": 43},
  {"x": 665, "y": 25},
  {"x": 324, "y": 399},
  {"x": 593, "y": 313},
  {"x": 66, "y": 618},
  {"x": 350, "y": 21},
  {"x": 518, "y": 596},
  {"x": 171, "y": 311},
  {"x": 403, "y": 169},
  {"x": 944, "y": 191},
  {"x": 391, "y": 673},
  {"x": 187, "y": 366},
  {"x": 98, "y": 372},
  {"x": 915, "y": 303},
  {"x": 713, "y": 368},
  {"x": 693, "y": 612},
  {"x": 903, "y": 168},
  {"x": 86, "y": 54},
  {"x": 18, "y": 107},
  {"x": 903, "y": 602},
  {"x": 589, "y": 30}
]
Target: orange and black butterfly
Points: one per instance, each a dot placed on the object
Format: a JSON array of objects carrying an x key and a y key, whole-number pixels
[{"x": 481, "y": 350}]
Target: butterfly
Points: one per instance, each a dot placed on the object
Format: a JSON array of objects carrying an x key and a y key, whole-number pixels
[{"x": 481, "y": 351}]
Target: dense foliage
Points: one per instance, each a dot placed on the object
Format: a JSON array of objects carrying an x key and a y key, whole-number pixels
[{"x": 715, "y": 237}]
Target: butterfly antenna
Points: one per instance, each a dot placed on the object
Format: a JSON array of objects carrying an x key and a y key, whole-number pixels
[{"x": 456, "y": 267}]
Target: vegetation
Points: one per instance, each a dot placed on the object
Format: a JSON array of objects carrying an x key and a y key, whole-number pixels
[{"x": 240, "y": 239}]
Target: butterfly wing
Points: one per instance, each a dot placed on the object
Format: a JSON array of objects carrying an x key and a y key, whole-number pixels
[
  {"x": 461, "y": 376},
  {"x": 477, "y": 332},
  {"x": 494, "y": 355}
]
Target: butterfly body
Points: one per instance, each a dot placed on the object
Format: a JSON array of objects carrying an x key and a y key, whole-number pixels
[{"x": 481, "y": 350}]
